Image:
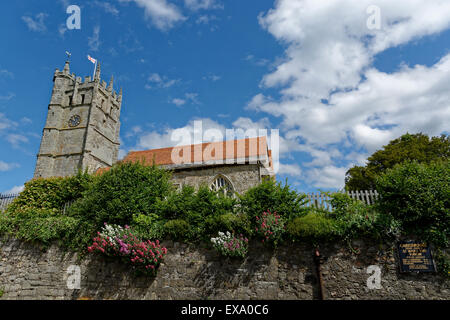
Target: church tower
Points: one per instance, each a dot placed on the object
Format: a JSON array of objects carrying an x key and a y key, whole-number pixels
[{"x": 82, "y": 127}]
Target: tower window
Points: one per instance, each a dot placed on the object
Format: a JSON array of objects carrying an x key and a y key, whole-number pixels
[{"x": 82, "y": 98}]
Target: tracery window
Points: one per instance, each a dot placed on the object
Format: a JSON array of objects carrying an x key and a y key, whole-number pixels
[{"x": 220, "y": 183}]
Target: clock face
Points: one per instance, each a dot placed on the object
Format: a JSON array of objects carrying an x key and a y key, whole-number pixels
[{"x": 74, "y": 120}]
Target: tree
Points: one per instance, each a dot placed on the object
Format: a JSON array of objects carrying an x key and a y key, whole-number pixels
[{"x": 409, "y": 147}]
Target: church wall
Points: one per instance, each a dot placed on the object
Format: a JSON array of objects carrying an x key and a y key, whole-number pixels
[
  {"x": 198, "y": 272},
  {"x": 242, "y": 177}
]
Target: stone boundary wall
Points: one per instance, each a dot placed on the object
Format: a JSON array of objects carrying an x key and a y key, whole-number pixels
[{"x": 193, "y": 272}]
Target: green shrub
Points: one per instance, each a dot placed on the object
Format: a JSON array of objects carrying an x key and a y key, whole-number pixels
[
  {"x": 49, "y": 195},
  {"x": 147, "y": 226},
  {"x": 123, "y": 191},
  {"x": 418, "y": 195},
  {"x": 355, "y": 219},
  {"x": 232, "y": 222},
  {"x": 312, "y": 227},
  {"x": 272, "y": 196},
  {"x": 178, "y": 230},
  {"x": 194, "y": 207},
  {"x": 45, "y": 229}
]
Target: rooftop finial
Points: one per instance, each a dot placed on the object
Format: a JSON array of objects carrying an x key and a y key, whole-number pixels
[
  {"x": 110, "y": 86},
  {"x": 97, "y": 73},
  {"x": 66, "y": 67},
  {"x": 120, "y": 95}
]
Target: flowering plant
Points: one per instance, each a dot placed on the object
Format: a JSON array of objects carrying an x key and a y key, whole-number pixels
[
  {"x": 229, "y": 245},
  {"x": 270, "y": 227},
  {"x": 115, "y": 241}
]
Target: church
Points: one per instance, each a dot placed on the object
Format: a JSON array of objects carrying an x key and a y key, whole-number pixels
[{"x": 82, "y": 132}]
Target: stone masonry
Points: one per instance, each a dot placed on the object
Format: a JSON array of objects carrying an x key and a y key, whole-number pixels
[
  {"x": 82, "y": 126},
  {"x": 198, "y": 272}
]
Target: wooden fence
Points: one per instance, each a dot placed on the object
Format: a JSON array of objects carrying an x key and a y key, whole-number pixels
[
  {"x": 317, "y": 199},
  {"x": 322, "y": 199},
  {"x": 6, "y": 199}
]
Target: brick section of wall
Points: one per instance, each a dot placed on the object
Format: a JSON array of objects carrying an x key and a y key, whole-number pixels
[{"x": 192, "y": 272}]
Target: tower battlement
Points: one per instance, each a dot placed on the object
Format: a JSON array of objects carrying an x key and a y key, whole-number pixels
[{"x": 82, "y": 126}]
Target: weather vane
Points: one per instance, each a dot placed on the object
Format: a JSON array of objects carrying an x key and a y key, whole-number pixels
[{"x": 68, "y": 55}]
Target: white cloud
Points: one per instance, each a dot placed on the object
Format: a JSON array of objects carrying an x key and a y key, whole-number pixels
[
  {"x": 160, "y": 81},
  {"x": 14, "y": 190},
  {"x": 158, "y": 139},
  {"x": 6, "y": 123},
  {"x": 178, "y": 102},
  {"x": 326, "y": 177},
  {"x": 16, "y": 139},
  {"x": 94, "y": 40},
  {"x": 212, "y": 77},
  {"x": 205, "y": 19},
  {"x": 37, "y": 24},
  {"x": 202, "y": 4},
  {"x": 62, "y": 29},
  {"x": 290, "y": 169},
  {"x": 188, "y": 97},
  {"x": 4, "y": 166},
  {"x": 108, "y": 7},
  {"x": 162, "y": 14},
  {"x": 328, "y": 57}
]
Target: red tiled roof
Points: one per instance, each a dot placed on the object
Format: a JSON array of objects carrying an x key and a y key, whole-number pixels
[{"x": 203, "y": 152}]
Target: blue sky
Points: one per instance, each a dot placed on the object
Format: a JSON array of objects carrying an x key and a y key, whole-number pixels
[{"x": 336, "y": 89}]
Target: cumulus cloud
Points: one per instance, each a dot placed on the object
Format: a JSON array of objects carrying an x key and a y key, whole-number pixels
[
  {"x": 162, "y": 14},
  {"x": 168, "y": 137},
  {"x": 330, "y": 94},
  {"x": 293, "y": 170}
]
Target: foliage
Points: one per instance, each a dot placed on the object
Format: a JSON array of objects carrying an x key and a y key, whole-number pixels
[
  {"x": 409, "y": 147},
  {"x": 229, "y": 245},
  {"x": 233, "y": 222},
  {"x": 115, "y": 241},
  {"x": 49, "y": 195},
  {"x": 418, "y": 195},
  {"x": 272, "y": 196},
  {"x": 356, "y": 219},
  {"x": 194, "y": 207},
  {"x": 312, "y": 227},
  {"x": 148, "y": 226},
  {"x": 121, "y": 192},
  {"x": 178, "y": 229},
  {"x": 270, "y": 227},
  {"x": 38, "y": 227}
]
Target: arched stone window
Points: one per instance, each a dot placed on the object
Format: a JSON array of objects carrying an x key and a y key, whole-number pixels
[{"x": 221, "y": 183}]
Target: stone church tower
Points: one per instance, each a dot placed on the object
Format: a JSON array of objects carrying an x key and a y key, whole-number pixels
[{"x": 82, "y": 127}]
